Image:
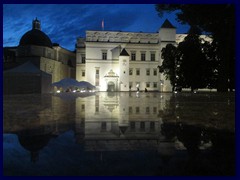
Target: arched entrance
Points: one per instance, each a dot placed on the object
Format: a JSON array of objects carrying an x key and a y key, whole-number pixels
[
  {"x": 111, "y": 86},
  {"x": 111, "y": 79}
]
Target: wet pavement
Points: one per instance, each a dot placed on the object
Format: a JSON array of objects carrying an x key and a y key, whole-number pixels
[{"x": 109, "y": 134}]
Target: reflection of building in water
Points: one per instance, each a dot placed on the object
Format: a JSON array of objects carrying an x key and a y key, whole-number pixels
[
  {"x": 36, "y": 119},
  {"x": 117, "y": 121},
  {"x": 103, "y": 122},
  {"x": 123, "y": 122}
]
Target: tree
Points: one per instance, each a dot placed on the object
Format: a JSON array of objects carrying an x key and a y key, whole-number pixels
[
  {"x": 219, "y": 20},
  {"x": 192, "y": 63},
  {"x": 168, "y": 67},
  {"x": 212, "y": 63}
]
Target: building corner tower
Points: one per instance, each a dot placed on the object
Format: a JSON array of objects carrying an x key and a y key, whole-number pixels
[{"x": 124, "y": 70}]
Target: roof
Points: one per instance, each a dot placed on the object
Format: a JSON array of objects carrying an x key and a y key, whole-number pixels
[
  {"x": 124, "y": 52},
  {"x": 35, "y": 37},
  {"x": 27, "y": 67},
  {"x": 167, "y": 24}
]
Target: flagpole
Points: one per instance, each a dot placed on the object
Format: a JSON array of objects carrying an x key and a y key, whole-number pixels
[{"x": 103, "y": 25}]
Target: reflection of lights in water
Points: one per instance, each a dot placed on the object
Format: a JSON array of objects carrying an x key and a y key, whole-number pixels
[
  {"x": 137, "y": 93},
  {"x": 205, "y": 145},
  {"x": 215, "y": 113},
  {"x": 179, "y": 145}
]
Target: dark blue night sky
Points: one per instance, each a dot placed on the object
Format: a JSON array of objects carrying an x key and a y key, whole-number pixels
[{"x": 63, "y": 23}]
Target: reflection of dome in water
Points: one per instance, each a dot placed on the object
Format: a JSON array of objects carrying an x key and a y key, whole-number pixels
[
  {"x": 35, "y": 36},
  {"x": 34, "y": 143}
]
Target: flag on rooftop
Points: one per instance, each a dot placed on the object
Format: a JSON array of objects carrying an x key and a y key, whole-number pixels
[{"x": 103, "y": 24}]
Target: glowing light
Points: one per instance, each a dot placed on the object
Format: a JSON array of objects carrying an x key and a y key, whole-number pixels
[{"x": 58, "y": 91}]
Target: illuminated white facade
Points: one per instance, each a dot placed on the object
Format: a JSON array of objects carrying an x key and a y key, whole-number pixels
[{"x": 121, "y": 61}]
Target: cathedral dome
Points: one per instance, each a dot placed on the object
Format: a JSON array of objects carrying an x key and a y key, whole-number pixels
[{"x": 35, "y": 36}]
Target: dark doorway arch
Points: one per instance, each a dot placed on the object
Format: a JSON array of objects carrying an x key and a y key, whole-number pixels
[{"x": 110, "y": 86}]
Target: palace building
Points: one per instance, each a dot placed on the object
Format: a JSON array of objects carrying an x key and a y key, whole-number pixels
[
  {"x": 124, "y": 61},
  {"x": 110, "y": 60}
]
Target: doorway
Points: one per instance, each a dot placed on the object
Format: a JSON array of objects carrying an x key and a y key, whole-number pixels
[{"x": 110, "y": 86}]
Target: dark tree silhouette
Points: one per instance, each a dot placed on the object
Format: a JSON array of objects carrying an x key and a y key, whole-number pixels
[
  {"x": 192, "y": 64},
  {"x": 193, "y": 61},
  {"x": 168, "y": 67},
  {"x": 219, "y": 20}
]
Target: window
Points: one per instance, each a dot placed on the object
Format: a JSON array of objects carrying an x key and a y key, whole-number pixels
[
  {"x": 137, "y": 72},
  {"x": 137, "y": 110},
  {"x": 97, "y": 71},
  {"x": 97, "y": 77},
  {"x": 152, "y": 56},
  {"x": 133, "y": 56},
  {"x": 96, "y": 109},
  {"x": 83, "y": 58},
  {"x": 155, "y": 84},
  {"x": 147, "y": 110},
  {"x": 83, "y": 73},
  {"x": 154, "y": 110},
  {"x": 152, "y": 126},
  {"x": 130, "y": 72},
  {"x": 148, "y": 72},
  {"x": 130, "y": 109},
  {"x": 147, "y": 84},
  {"x": 132, "y": 125},
  {"x": 104, "y": 126},
  {"x": 142, "y": 125},
  {"x": 143, "y": 56},
  {"x": 155, "y": 72},
  {"x": 104, "y": 55}
]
